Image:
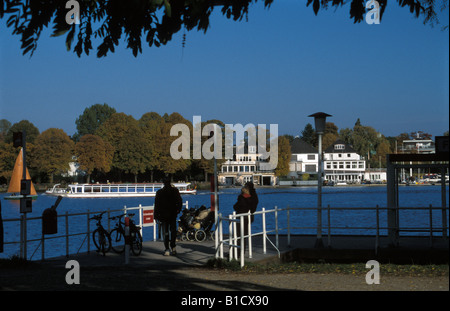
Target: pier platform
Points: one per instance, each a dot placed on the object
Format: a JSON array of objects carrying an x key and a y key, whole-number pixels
[{"x": 411, "y": 250}]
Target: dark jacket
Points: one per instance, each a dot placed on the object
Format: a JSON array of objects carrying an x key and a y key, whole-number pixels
[
  {"x": 244, "y": 204},
  {"x": 168, "y": 203},
  {"x": 254, "y": 201}
]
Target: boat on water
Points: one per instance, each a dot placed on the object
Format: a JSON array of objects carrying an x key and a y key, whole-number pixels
[
  {"x": 114, "y": 190},
  {"x": 16, "y": 178}
]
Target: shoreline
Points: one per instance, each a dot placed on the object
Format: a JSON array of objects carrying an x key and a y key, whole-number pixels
[{"x": 206, "y": 186}]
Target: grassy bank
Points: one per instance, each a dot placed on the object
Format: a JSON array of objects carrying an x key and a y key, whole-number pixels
[{"x": 325, "y": 268}]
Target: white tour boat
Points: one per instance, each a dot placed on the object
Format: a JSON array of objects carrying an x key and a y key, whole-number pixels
[{"x": 115, "y": 190}]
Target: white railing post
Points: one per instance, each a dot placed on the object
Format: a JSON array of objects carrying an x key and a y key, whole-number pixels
[
  {"x": 218, "y": 234},
  {"x": 249, "y": 225},
  {"x": 154, "y": 224},
  {"x": 264, "y": 230},
  {"x": 230, "y": 238},
  {"x": 235, "y": 238},
  {"x": 140, "y": 220},
  {"x": 241, "y": 218},
  {"x": 221, "y": 238}
]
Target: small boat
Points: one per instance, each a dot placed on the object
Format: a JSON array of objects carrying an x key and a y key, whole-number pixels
[
  {"x": 114, "y": 190},
  {"x": 16, "y": 178}
]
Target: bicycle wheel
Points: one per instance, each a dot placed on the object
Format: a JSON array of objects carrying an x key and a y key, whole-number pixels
[
  {"x": 102, "y": 240},
  {"x": 117, "y": 240},
  {"x": 136, "y": 243},
  {"x": 200, "y": 235},
  {"x": 190, "y": 235}
]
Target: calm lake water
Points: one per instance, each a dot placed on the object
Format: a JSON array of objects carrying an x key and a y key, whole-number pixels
[{"x": 303, "y": 221}]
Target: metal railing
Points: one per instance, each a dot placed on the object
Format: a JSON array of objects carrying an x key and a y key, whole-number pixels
[
  {"x": 67, "y": 236},
  {"x": 275, "y": 227},
  {"x": 236, "y": 242}
]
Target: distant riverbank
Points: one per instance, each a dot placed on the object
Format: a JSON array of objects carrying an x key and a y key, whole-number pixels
[{"x": 206, "y": 186}]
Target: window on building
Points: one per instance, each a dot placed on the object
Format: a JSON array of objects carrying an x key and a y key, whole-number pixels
[
  {"x": 339, "y": 147},
  {"x": 310, "y": 168},
  {"x": 311, "y": 156}
]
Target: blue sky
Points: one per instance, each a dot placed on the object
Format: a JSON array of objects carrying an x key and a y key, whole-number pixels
[{"x": 282, "y": 65}]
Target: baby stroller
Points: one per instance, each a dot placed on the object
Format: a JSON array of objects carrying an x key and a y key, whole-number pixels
[{"x": 196, "y": 224}]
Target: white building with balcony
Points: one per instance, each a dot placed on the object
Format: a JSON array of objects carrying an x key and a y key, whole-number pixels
[
  {"x": 245, "y": 167},
  {"x": 342, "y": 164}
]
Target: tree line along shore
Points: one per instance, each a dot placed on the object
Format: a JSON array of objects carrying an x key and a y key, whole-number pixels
[{"x": 111, "y": 146}]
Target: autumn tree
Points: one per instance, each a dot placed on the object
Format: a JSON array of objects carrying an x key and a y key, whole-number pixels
[
  {"x": 309, "y": 135},
  {"x": 31, "y": 131},
  {"x": 8, "y": 155},
  {"x": 383, "y": 149},
  {"x": 367, "y": 142},
  {"x": 52, "y": 153},
  {"x": 153, "y": 127},
  {"x": 93, "y": 153},
  {"x": 131, "y": 153},
  {"x": 92, "y": 118},
  {"x": 207, "y": 165},
  {"x": 5, "y": 125},
  {"x": 166, "y": 162},
  {"x": 284, "y": 156}
]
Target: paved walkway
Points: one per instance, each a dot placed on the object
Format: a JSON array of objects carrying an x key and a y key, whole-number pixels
[{"x": 301, "y": 247}]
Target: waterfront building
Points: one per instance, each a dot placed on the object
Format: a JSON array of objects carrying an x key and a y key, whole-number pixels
[
  {"x": 423, "y": 146},
  {"x": 303, "y": 165},
  {"x": 244, "y": 167},
  {"x": 342, "y": 164},
  {"x": 375, "y": 175}
]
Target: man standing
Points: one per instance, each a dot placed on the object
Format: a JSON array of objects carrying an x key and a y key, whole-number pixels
[{"x": 168, "y": 204}]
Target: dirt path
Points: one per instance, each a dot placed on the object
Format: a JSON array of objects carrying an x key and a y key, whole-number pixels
[{"x": 199, "y": 279}]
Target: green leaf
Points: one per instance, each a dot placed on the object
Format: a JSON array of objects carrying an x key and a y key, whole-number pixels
[
  {"x": 168, "y": 8},
  {"x": 59, "y": 32},
  {"x": 69, "y": 38}
]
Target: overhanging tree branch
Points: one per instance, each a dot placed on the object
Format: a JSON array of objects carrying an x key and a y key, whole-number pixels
[{"x": 154, "y": 21}]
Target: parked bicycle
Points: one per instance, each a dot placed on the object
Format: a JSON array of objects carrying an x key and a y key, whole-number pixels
[
  {"x": 100, "y": 236},
  {"x": 118, "y": 236}
]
